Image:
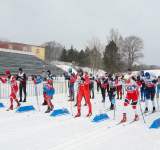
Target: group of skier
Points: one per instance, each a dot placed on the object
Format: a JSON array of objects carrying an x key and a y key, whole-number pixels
[{"x": 112, "y": 84}]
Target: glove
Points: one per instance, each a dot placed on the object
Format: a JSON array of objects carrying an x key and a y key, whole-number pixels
[
  {"x": 83, "y": 79},
  {"x": 68, "y": 78},
  {"x": 1, "y": 79},
  {"x": 138, "y": 78},
  {"x": 133, "y": 78},
  {"x": 154, "y": 81}
]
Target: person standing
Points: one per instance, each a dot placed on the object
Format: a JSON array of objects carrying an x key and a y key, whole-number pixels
[
  {"x": 143, "y": 88},
  {"x": 103, "y": 87},
  {"x": 119, "y": 86},
  {"x": 91, "y": 85},
  {"x": 70, "y": 75},
  {"x": 22, "y": 86},
  {"x": 131, "y": 85},
  {"x": 98, "y": 83},
  {"x": 14, "y": 88},
  {"x": 83, "y": 91}
]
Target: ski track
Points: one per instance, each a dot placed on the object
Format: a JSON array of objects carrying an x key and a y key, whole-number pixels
[{"x": 85, "y": 139}]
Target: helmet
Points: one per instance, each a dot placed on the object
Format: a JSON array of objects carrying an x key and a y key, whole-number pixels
[
  {"x": 129, "y": 70},
  {"x": 49, "y": 71},
  {"x": 20, "y": 69},
  {"x": 147, "y": 75},
  {"x": 79, "y": 70},
  {"x": 109, "y": 76},
  {"x": 8, "y": 72},
  {"x": 70, "y": 69}
]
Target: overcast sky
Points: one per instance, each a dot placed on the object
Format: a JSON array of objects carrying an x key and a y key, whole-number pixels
[{"x": 76, "y": 21}]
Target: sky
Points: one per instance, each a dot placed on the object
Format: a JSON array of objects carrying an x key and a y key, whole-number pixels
[{"x": 73, "y": 22}]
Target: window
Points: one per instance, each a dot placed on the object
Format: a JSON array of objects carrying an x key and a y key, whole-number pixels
[
  {"x": 37, "y": 51},
  {"x": 10, "y": 46},
  {"x": 25, "y": 49}
]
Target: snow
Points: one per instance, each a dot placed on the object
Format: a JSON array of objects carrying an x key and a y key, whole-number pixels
[{"x": 38, "y": 131}]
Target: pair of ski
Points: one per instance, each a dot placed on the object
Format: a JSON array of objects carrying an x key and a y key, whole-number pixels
[
  {"x": 146, "y": 114},
  {"x": 15, "y": 108}
]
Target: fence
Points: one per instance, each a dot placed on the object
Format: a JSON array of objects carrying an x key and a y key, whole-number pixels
[{"x": 61, "y": 87}]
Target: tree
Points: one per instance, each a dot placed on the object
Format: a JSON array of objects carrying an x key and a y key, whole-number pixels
[
  {"x": 132, "y": 50},
  {"x": 81, "y": 58},
  {"x": 95, "y": 47},
  {"x": 53, "y": 50},
  {"x": 64, "y": 56},
  {"x": 111, "y": 57}
]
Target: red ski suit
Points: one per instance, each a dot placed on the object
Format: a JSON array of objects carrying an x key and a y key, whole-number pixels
[
  {"x": 83, "y": 91},
  {"x": 14, "y": 88}
]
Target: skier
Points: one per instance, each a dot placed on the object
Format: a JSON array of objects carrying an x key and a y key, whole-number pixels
[
  {"x": 106, "y": 77},
  {"x": 143, "y": 88},
  {"x": 103, "y": 88},
  {"x": 98, "y": 83},
  {"x": 14, "y": 88},
  {"x": 158, "y": 86},
  {"x": 91, "y": 85},
  {"x": 48, "y": 90},
  {"x": 83, "y": 91},
  {"x": 43, "y": 80},
  {"x": 22, "y": 78},
  {"x": 70, "y": 75},
  {"x": 112, "y": 90},
  {"x": 131, "y": 85},
  {"x": 150, "y": 89},
  {"x": 119, "y": 85},
  {"x": 50, "y": 75}
]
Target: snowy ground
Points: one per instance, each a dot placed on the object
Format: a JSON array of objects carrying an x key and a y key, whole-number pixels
[{"x": 39, "y": 131}]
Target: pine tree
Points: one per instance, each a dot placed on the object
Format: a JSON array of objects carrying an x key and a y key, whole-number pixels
[
  {"x": 81, "y": 59},
  {"x": 64, "y": 56},
  {"x": 111, "y": 57}
]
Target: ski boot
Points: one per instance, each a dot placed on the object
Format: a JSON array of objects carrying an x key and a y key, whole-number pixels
[
  {"x": 120, "y": 97},
  {"x": 85, "y": 104},
  {"x": 111, "y": 107},
  {"x": 117, "y": 97},
  {"x": 10, "y": 108},
  {"x": 136, "y": 118},
  {"x": 48, "y": 110},
  {"x": 124, "y": 118},
  {"x": 75, "y": 104},
  {"x": 141, "y": 100},
  {"x": 154, "y": 109},
  {"x": 51, "y": 108},
  {"x": 20, "y": 100},
  {"x": 103, "y": 101},
  {"x": 78, "y": 114},
  {"x": 89, "y": 114},
  {"x": 144, "y": 100},
  {"x": 146, "y": 110},
  {"x": 24, "y": 100},
  {"x": 92, "y": 97},
  {"x": 44, "y": 103},
  {"x": 18, "y": 105}
]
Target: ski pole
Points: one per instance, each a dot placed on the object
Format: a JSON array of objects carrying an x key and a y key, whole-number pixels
[
  {"x": 70, "y": 98},
  {"x": 140, "y": 107},
  {"x": 37, "y": 96},
  {"x": 157, "y": 96}
]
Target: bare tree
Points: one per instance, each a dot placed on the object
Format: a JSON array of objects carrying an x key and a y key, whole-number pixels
[
  {"x": 96, "y": 48},
  {"x": 53, "y": 50},
  {"x": 132, "y": 50}
]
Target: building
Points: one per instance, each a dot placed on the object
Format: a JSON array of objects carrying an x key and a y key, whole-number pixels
[{"x": 38, "y": 51}]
